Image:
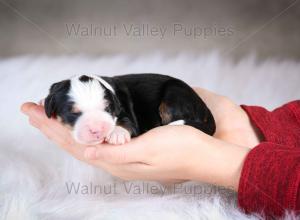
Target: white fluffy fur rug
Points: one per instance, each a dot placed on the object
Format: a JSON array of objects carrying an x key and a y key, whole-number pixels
[{"x": 35, "y": 173}]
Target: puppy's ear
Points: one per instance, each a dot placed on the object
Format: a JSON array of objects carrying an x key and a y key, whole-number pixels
[
  {"x": 55, "y": 90},
  {"x": 50, "y": 106},
  {"x": 114, "y": 106}
]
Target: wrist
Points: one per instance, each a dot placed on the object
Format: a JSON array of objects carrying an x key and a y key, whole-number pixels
[
  {"x": 220, "y": 164},
  {"x": 231, "y": 164}
]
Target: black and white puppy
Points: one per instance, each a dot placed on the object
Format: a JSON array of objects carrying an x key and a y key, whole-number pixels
[{"x": 114, "y": 109}]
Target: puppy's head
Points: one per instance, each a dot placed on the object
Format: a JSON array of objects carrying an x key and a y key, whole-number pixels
[{"x": 87, "y": 104}]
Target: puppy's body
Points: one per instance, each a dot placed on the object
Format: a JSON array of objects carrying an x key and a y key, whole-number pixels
[
  {"x": 132, "y": 103},
  {"x": 152, "y": 100}
]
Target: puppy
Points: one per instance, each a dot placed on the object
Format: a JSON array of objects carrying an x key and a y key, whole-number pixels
[{"x": 114, "y": 109}]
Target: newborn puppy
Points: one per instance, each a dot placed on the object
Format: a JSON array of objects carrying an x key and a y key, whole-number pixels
[{"x": 114, "y": 109}]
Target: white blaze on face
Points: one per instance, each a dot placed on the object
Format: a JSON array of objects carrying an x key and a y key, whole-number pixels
[{"x": 95, "y": 123}]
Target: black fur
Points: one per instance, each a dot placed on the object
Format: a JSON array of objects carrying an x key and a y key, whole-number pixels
[
  {"x": 57, "y": 103},
  {"x": 142, "y": 94},
  {"x": 141, "y": 102}
]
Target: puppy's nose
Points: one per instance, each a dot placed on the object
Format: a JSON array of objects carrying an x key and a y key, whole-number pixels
[
  {"x": 93, "y": 131},
  {"x": 96, "y": 133}
]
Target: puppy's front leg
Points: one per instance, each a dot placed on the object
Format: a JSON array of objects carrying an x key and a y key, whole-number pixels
[
  {"x": 123, "y": 131},
  {"x": 119, "y": 135}
]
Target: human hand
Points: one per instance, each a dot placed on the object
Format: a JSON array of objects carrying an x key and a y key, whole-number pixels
[
  {"x": 160, "y": 154},
  {"x": 174, "y": 153}
]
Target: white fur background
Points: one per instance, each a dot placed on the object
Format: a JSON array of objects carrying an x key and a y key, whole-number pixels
[{"x": 34, "y": 171}]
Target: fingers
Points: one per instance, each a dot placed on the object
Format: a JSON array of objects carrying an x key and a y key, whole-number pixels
[
  {"x": 25, "y": 107},
  {"x": 126, "y": 171},
  {"x": 33, "y": 110},
  {"x": 38, "y": 118},
  {"x": 51, "y": 128},
  {"x": 90, "y": 153},
  {"x": 36, "y": 114},
  {"x": 132, "y": 152}
]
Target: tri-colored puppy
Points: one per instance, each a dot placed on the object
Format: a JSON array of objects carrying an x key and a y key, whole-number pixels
[{"x": 114, "y": 109}]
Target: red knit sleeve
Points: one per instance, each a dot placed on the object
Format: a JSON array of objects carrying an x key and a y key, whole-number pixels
[{"x": 270, "y": 178}]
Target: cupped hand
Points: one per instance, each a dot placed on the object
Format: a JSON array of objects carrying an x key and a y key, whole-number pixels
[
  {"x": 173, "y": 153},
  {"x": 167, "y": 153}
]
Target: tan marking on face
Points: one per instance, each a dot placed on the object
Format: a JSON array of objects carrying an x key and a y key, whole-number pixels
[{"x": 75, "y": 109}]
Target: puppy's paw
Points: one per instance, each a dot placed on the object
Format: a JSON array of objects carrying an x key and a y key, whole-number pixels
[{"x": 118, "y": 136}]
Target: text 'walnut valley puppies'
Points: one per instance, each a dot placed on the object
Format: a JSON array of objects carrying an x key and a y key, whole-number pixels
[{"x": 114, "y": 109}]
